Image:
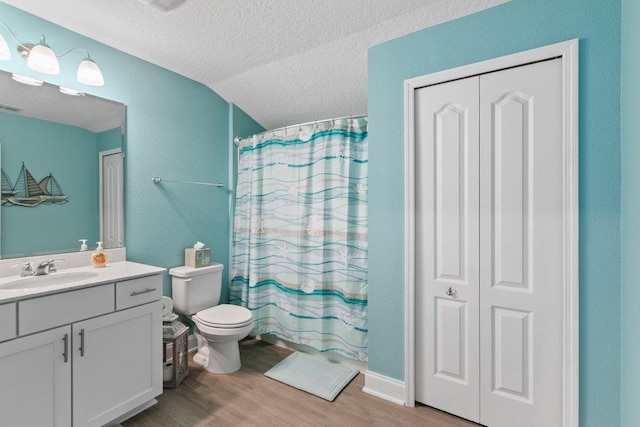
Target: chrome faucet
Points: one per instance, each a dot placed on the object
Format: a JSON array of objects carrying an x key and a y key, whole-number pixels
[
  {"x": 44, "y": 267},
  {"x": 27, "y": 269}
]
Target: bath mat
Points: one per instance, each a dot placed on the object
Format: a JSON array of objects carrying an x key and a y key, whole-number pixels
[{"x": 311, "y": 374}]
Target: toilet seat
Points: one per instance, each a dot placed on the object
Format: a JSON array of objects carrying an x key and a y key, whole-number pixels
[{"x": 224, "y": 316}]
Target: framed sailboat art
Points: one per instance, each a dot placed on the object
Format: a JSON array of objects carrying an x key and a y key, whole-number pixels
[{"x": 29, "y": 192}]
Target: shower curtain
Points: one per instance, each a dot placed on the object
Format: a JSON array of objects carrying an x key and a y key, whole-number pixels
[{"x": 299, "y": 258}]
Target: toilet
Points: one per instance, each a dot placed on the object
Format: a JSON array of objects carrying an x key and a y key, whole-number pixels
[{"x": 218, "y": 327}]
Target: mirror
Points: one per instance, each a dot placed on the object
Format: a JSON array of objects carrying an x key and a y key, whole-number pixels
[{"x": 62, "y": 169}]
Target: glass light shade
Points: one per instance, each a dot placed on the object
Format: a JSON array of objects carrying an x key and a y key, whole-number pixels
[
  {"x": 89, "y": 73},
  {"x": 5, "y": 54},
  {"x": 41, "y": 58}
]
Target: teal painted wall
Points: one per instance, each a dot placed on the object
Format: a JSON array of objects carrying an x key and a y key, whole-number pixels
[
  {"x": 515, "y": 26},
  {"x": 109, "y": 139},
  {"x": 179, "y": 129},
  {"x": 73, "y": 151},
  {"x": 176, "y": 129},
  {"x": 630, "y": 222}
]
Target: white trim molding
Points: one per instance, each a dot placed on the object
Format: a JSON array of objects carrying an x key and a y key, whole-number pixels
[
  {"x": 384, "y": 387},
  {"x": 568, "y": 53}
]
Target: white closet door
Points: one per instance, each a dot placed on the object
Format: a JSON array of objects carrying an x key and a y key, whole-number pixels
[
  {"x": 521, "y": 246},
  {"x": 447, "y": 218}
]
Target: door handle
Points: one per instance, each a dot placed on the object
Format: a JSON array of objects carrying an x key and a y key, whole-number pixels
[
  {"x": 81, "y": 342},
  {"x": 66, "y": 348},
  {"x": 450, "y": 292}
]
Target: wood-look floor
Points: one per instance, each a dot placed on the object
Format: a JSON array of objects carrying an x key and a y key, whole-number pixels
[{"x": 248, "y": 398}]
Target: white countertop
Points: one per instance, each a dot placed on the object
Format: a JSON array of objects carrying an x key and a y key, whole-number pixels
[{"x": 113, "y": 272}]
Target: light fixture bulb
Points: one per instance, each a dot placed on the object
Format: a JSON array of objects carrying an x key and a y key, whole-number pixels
[
  {"x": 41, "y": 58},
  {"x": 89, "y": 73},
  {"x": 5, "y": 54}
]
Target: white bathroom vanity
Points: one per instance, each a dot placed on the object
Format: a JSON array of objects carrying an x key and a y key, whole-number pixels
[{"x": 80, "y": 347}]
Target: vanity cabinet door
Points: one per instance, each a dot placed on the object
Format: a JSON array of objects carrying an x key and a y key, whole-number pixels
[
  {"x": 38, "y": 370},
  {"x": 117, "y": 363}
]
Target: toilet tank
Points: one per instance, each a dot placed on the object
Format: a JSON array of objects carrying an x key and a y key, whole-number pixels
[{"x": 195, "y": 289}]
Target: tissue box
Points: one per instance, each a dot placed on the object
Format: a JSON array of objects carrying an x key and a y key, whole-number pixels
[{"x": 197, "y": 257}]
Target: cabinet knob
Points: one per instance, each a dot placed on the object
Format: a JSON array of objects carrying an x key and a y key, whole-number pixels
[{"x": 450, "y": 292}]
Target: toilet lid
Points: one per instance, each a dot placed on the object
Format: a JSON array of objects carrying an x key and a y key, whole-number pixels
[{"x": 225, "y": 316}]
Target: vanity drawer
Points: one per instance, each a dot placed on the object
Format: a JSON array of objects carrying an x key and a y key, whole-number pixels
[
  {"x": 138, "y": 291},
  {"x": 7, "y": 321},
  {"x": 61, "y": 309}
]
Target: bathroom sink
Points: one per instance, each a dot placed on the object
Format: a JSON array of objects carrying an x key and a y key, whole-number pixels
[{"x": 51, "y": 279}]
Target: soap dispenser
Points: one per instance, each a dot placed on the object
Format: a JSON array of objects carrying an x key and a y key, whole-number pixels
[
  {"x": 83, "y": 246},
  {"x": 99, "y": 257}
]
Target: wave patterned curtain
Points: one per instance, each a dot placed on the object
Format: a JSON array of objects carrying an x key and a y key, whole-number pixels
[{"x": 300, "y": 236}]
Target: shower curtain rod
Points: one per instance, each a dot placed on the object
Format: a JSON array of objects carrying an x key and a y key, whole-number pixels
[{"x": 237, "y": 140}]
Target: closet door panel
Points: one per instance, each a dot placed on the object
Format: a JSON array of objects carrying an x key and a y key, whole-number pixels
[
  {"x": 521, "y": 276},
  {"x": 512, "y": 353},
  {"x": 511, "y": 143},
  {"x": 447, "y": 289}
]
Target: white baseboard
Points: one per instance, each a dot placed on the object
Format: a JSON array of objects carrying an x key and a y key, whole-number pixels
[{"x": 384, "y": 387}]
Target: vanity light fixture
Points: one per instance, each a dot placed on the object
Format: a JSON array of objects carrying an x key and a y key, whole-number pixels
[
  {"x": 89, "y": 73},
  {"x": 41, "y": 58}
]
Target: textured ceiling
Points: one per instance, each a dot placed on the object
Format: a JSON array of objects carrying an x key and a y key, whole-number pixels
[{"x": 282, "y": 62}]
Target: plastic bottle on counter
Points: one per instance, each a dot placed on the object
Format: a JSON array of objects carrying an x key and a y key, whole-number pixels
[{"x": 99, "y": 257}]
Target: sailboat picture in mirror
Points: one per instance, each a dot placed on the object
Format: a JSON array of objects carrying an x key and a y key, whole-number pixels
[{"x": 30, "y": 193}]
